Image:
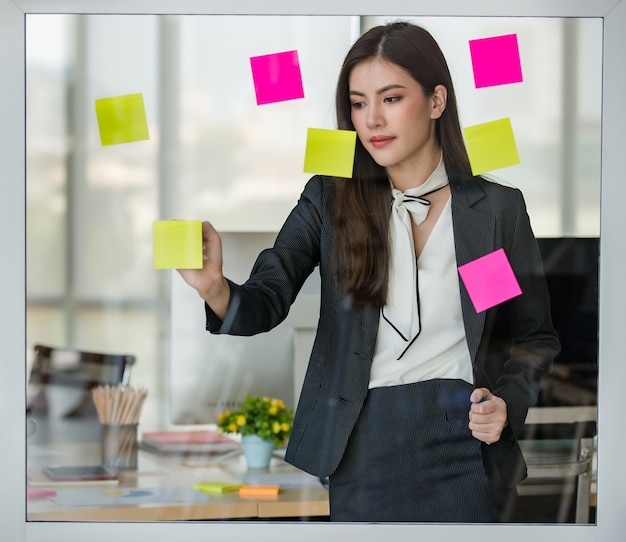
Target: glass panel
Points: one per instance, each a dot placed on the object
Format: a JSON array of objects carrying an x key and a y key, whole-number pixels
[
  {"x": 241, "y": 164},
  {"x": 555, "y": 112},
  {"x": 49, "y": 49},
  {"x": 116, "y": 187},
  {"x": 214, "y": 154}
]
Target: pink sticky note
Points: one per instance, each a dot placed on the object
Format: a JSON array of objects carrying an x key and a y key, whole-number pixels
[
  {"x": 496, "y": 61},
  {"x": 490, "y": 280},
  {"x": 277, "y": 77},
  {"x": 39, "y": 493}
]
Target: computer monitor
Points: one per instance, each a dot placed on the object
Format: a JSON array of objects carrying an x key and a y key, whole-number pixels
[{"x": 571, "y": 269}]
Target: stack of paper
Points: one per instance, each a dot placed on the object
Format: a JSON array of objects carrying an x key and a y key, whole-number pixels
[{"x": 199, "y": 441}]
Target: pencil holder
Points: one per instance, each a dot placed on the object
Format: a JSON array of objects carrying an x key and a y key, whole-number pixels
[{"x": 119, "y": 446}]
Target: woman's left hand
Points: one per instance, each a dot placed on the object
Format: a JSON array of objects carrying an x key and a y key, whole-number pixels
[{"x": 487, "y": 416}]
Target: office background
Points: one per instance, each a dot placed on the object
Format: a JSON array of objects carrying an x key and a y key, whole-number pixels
[
  {"x": 611, "y": 221},
  {"x": 214, "y": 154}
]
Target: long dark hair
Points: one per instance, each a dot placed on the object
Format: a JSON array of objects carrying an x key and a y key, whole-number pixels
[{"x": 361, "y": 213}]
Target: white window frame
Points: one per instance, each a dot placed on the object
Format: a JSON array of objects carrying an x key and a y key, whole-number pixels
[{"x": 611, "y": 517}]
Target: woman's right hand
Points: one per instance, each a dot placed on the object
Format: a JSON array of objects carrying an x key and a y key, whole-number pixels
[{"x": 209, "y": 281}]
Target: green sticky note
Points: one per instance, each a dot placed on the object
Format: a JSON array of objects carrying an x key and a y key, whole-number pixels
[
  {"x": 177, "y": 244},
  {"x": 491, "y": 145},
  {"x": 217, "y": 487},
  {"x": 122, "y": 119},
  {"x": 330, "y": 152}
]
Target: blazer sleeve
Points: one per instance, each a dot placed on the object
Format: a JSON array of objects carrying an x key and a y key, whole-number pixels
[
  {"x": 516, "y": 376},
  {"x": 264, "y": 300},
  {"x": 534, "y": 342}
]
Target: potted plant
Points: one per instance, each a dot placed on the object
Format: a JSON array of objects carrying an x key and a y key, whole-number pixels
[{"x": 263, "y": 424}]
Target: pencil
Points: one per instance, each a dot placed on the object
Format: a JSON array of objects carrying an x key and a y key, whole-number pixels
[{"x": 120, "y": 405}]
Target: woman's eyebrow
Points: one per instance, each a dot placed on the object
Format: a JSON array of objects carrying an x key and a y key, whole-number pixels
[{"x": 379, "y": 91}]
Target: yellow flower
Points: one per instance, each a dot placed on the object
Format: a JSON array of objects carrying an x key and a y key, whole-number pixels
[
  {"x": 278, "y": 403},
  {"x": 264, "y": 416}
]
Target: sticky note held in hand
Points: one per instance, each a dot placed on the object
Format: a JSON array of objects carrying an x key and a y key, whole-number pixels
[
  {"x": 122, "y": 119},
  {"x": 177, "y": 244},
  {"x": 490, "y": 280}
]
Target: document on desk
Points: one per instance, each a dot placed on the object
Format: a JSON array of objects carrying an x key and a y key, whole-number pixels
[{"x": 116, "y": 496}]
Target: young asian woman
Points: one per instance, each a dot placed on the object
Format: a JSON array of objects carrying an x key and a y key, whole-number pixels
[{"x": 404, "y": 405}]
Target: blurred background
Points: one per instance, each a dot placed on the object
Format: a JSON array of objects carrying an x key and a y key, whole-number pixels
[{"x": 214, "y": 154}]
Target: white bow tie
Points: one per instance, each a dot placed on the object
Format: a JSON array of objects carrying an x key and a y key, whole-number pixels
[{"x": 401, "y": 310}]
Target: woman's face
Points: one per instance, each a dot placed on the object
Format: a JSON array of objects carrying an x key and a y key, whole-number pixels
[{"x": 394, "y": 120}]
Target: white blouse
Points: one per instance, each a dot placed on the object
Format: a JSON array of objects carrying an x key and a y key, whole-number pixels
[{"x": 440, "y": 350}]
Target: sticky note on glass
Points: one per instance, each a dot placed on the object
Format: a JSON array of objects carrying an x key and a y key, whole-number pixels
[
  {"x": 491, "y": 145},
  {"x": 177, "y": 244},
  {"x": 122, "y": 119},
  {"x": 277, "y": 77},
  {"x": 496, "y": 61},
  {"x": 490, "y": 280},
  {"x": 330, "y": 152}
]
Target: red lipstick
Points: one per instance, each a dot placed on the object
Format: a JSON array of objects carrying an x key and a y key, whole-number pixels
[{"x": 380, "y": 141}]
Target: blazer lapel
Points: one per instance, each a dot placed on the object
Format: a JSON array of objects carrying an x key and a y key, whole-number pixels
[{"x": 474, "y": 235}]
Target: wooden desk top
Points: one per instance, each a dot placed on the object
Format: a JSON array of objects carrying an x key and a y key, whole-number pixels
[{"x": 160, "y": 471}]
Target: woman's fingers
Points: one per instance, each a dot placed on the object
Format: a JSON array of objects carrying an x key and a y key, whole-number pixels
[{"x": 487, "y": 416}]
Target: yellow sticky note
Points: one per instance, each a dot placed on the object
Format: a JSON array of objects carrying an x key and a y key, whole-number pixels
[
  {"x": 122, "y": 119},
  {"x": 177, "y": 244},
  {"x": 491, "y": 145},
  {"x": 330, "y": 152},
  {"x": 217, "y": 487}
]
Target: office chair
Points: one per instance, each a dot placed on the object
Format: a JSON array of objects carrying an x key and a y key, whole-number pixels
[
  {"x": 558, "y": 446},
  {"x": 61, "y": 379}
]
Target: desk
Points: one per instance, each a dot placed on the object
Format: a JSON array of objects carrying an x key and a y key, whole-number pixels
[{"x": 160, "y": 471}]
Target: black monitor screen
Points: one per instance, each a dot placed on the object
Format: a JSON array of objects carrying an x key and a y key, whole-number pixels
[{"x": 571, "y": 269}]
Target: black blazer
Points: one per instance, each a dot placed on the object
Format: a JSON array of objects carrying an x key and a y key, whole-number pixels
[{"x": 486, "y": 216}]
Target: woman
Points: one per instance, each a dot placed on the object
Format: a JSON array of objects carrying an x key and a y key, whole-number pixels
[{"x": 404, "y": 404}]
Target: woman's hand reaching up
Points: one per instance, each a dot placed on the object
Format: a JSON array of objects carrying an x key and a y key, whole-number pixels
[{"x": 209, "y": 281}]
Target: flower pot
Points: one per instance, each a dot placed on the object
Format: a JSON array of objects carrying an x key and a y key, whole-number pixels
[{"x": 258, "y": 452}]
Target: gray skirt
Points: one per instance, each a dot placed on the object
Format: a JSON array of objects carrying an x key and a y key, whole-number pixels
[{"x": 412, "y": 458}]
